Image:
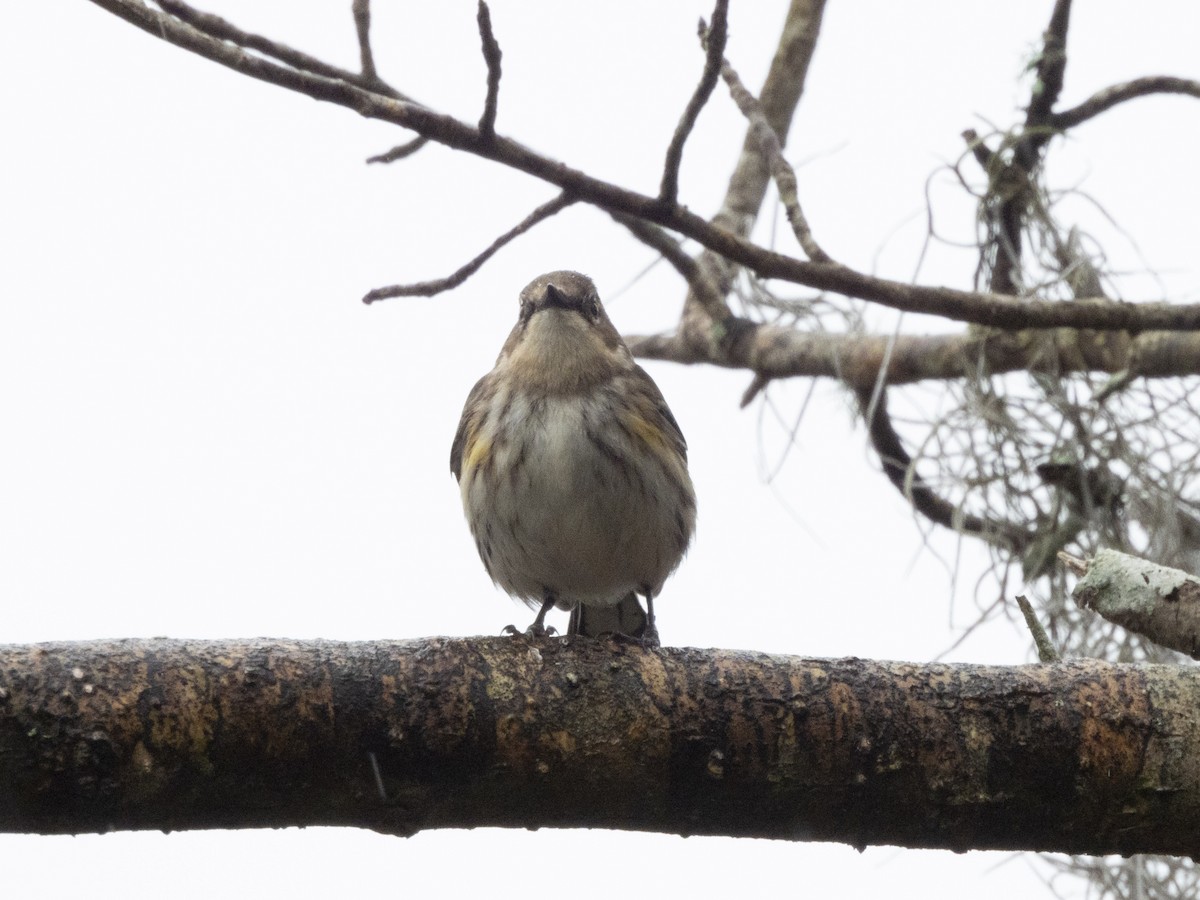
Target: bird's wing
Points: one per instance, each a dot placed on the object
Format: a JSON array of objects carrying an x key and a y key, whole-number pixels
[
  {"x": 654, "y": 395},
  {"x": 469, "y": 421}
]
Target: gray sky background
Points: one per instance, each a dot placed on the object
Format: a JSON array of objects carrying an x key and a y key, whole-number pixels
[{"x": 207, "y": 435}]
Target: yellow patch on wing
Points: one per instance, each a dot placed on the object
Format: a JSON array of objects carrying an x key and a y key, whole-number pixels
[
  {"x": 650, "y": 433},
  {"x": 478, "y": 451}
]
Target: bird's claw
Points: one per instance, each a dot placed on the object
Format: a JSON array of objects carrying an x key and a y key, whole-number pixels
[{"x": 534, "y": 631}]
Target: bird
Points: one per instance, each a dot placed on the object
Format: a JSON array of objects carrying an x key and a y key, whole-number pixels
[{"x": 572, "y": 469}]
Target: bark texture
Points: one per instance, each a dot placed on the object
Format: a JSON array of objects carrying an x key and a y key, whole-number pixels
[{"x": 1079, "y": 757}]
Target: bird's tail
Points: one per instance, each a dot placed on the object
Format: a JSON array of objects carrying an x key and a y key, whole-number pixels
[{"x": 626, "y": 618}]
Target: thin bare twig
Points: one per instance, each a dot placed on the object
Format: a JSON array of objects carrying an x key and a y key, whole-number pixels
[
  {"x": 757, "y": 385},
  {"x": 781, "y": 169},
  {"x": 491, "y": 55},
  {"x": 979, "y": 149},
  {"x": 1106, "y": 99},
  {"x": 1076, "y": 564},
  {"x": 1045, "y": 647},
  {"x": 437, "y": 286},
  {"x": 690, "y": 269},
  {"x": 657, "y": 239},
  {"x": 402, "y": 151},
  {"x": 216, "y": 27},
  {"x": 362, "y": 24},
  {"x": 714, "y": 37}
]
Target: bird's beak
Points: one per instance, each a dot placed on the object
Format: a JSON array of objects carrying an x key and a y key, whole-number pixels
[{"x": 555, "y": 297}]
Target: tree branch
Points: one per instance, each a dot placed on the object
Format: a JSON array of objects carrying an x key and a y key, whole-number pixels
[
  {"x": 402, "y": 151},
  {"x": 781, "y": 170},
  {"x": 216, "y": 27},
  {"x": 1153, "y": 600},
  {"x": 705, "y": 310},
  {"x": 668, "y": 248},
  {"x": 1047, "y": 653},
  {"x": 438, "y": 285},
  {"x": 1104, "y": 100},
  {"x": 362, "y": 25},
  {"x": 491, "y": 56},
  {"x": 1004, "y": 208},
  {"x": 1007, "y": 201},
  {"x": 668, "y": 192},
  {"x": 1077, "y": 757},
  {"x": 981, "y": 308},
  {"x": 780, "y": 351},
  {"x": 701, "y": 286},
  {"x": 1051, "y": 67}
]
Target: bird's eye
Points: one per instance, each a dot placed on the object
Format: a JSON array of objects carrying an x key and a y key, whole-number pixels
[{"x": 593, "y": 309}]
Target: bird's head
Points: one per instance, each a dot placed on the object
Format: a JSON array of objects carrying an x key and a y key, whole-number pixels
[{"x": 563, "y": 339}]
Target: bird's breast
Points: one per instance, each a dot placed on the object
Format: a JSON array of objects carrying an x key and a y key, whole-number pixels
[{"x": 569, "y": 502}]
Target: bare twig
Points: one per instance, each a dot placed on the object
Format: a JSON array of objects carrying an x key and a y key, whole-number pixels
[
  {"x": 692, "y": 271},
  {"x": 757, "y": 385},
  {"x": 657, "y": 239},
  {"x": 402, "y": 151},
  {"x": 437, "y": 286},
  {"x": 362, "y": 24},
  {"x": 216, "y": 27},
  {"x": 491, "y": 55},
  {"x": 1045, "y": 647},
  {"x": 982, "y": 308},
  {"x": 781, "y": 169},
  {"x": 1077, "y": 565},
  {"x": 1106, "y": 99},
  {"x": 979, "y": 149},
  {"x": 714, "y": 39}
]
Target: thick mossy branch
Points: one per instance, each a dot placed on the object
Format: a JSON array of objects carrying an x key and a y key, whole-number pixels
[{"x": 1080, "y": 757}]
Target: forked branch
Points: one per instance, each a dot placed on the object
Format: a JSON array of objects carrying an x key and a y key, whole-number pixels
[{"x": 216, "y": 40}]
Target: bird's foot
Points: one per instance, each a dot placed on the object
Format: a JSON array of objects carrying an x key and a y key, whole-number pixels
[
  {"x": 534, "y": 631},
  {"x": 649, "y": 637}
]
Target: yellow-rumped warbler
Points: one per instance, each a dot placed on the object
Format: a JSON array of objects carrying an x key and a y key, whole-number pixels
[{"x": 573, "y": 471}]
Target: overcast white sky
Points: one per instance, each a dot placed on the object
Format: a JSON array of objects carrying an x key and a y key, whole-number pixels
[{"x": 207, "y": 435}]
